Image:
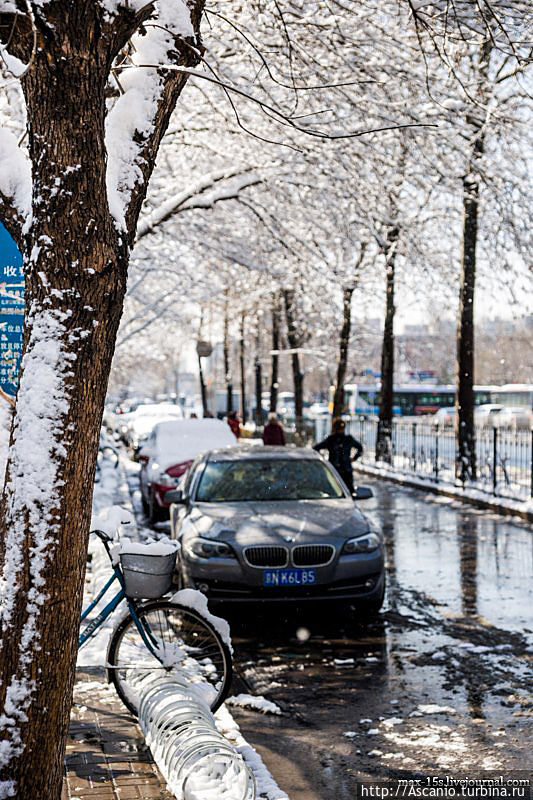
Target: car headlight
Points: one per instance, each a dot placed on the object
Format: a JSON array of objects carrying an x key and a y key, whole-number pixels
[
  {"x": 362, "y": 544},
  {"x": 210, "y": 548}
]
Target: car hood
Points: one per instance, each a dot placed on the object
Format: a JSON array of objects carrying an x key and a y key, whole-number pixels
[{"x": 304, "y": 521}]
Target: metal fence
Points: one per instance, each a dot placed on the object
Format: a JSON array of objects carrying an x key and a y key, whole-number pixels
[{"x": 504, "y": 456}]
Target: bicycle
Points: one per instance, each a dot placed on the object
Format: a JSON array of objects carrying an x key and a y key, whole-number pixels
[{"x": 156, "y": 634}]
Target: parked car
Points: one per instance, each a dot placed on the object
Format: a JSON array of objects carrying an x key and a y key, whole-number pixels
[
  {"x": 169, "y": 451},
  {"x": 444, "y": 417},
  {"x": 275, "y": 524},
  {"x": 143, "y": 420},
  {"x": 515, "y": 417},
  {"x": 487, "y": 414}
]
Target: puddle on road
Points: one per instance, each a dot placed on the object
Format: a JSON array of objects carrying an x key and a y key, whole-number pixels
[{"x": 469, "y": 564}]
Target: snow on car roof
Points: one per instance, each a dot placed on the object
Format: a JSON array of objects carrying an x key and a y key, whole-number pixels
[
  {"x": 156, "y": 409},
  {"x": 181, "y": 440}
]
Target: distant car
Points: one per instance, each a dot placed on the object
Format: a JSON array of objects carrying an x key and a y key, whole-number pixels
[
  {"x": 273, "y": 524},
  {"x": 444, "y": 417},
  {"x": 515, "y": 417},
  {"x": 169, "y": 451},
  {"x": 145, "y": 417},
  {"x": 487, "y": 414},
  {"x": 318, "y": 410}
]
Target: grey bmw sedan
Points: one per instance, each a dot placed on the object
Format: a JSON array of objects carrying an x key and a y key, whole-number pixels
[{"x": 271, "y": 524}]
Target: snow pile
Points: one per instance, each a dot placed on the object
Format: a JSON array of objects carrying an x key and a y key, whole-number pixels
[
  {"x": 258, "y": 703},
  {"x": 468, "y": 494},
  {"x": 15, "y": 172},
  {"x": 432, "y": 708},
  {"x": 131, "y": 120}
]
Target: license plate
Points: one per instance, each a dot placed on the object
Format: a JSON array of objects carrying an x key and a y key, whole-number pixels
[{"x": 289, "y": 577}]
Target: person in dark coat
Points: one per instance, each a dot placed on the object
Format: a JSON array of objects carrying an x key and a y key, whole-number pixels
[
  {"x": 339, "y": 446},
  {"x": 234, "y": 423},
  {"x": 273, "y": 432}
]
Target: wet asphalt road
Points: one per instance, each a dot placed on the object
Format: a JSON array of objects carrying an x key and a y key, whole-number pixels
[{"x": 438, "y": 683}]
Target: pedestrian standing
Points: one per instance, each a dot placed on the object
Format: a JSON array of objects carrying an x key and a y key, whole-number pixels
[
  {"x": 234, "y": 423},
  {"x": 339, "y": 445},
  {"x": 273, "y": 432}
]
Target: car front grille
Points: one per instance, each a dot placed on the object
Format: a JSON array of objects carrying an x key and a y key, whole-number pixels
[
  {"x": 312, "y": 555},
  {"x": 266, "y": 556}
]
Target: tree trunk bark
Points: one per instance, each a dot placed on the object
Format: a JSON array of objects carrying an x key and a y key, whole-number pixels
[
  {"x": 75, "y": 285},
  {"x": 227, "y": 367},
  {"x": 243, "y": 368},
  {"x": 465, "y": 466},
  {"x": 258, "y": 391},
  {"x": 274, "y": 375},
  {"x": 203, "y": 388},
  {"x": 384, "y": 432},
  {"x": 76, "y": 262},
  {"x": 258, "y": 369},
  {"x": 297, "y": 373},
  {"x": 464, "y": 418},
  {"x": 338, "y": 397}
]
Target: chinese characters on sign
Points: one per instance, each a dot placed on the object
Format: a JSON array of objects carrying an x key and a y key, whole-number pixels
[{"x": 11, "y": 312}]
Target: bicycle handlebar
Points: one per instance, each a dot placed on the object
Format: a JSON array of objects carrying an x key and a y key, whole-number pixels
[{"x": 103, "y": 536}]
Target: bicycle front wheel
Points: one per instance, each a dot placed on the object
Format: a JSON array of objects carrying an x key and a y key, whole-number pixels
[{"x": 185, "y": 645}]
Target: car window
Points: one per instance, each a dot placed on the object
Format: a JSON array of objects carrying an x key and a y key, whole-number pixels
[{"x": 267, "y": 480}]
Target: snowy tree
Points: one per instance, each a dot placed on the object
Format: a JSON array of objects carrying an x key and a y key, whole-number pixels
[{"x": 72, "y": 205}]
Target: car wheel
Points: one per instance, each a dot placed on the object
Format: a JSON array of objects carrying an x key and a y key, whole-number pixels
[{"x": 371, "y": 607}]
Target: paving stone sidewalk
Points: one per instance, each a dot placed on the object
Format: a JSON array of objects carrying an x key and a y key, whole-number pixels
[{"x": 107, "y": 758}]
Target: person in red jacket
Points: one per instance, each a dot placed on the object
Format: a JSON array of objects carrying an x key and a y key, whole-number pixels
[
  {"x": 235, "y": 425},
  {"x": 273, "y": 432}
]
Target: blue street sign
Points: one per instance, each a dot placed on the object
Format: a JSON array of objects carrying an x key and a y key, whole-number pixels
[{"x": 11, "y": 312}]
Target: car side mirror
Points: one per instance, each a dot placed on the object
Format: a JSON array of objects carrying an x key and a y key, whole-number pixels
[
  {"x": 175, "y": 496},
  {"x": 363, "y": 493}
]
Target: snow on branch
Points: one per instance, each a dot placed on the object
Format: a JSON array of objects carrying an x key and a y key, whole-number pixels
[
  {"x": 199, "y": 196},
  {"x": 135, "y": 119},
  {"x": 15, "y": 183}
]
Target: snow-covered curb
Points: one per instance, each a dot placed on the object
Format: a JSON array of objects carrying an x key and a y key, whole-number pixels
[{"x": 503, "y": 505}]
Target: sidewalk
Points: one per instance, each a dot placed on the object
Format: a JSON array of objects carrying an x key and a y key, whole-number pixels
[{"x": 106, "y": 757}]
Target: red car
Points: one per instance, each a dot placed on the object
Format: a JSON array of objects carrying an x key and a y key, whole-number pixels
[{"x": 168, "y": 453}]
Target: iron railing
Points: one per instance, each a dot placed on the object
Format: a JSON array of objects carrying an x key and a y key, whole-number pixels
[{"x": 504, "y": 457}]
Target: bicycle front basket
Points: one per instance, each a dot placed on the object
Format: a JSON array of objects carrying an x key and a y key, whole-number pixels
[{"x": 147, "y": 576}]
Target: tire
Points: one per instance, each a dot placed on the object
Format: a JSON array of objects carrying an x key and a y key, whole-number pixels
[
  {"x": 175, "y": 624},
  {"x": 371, "y": 607}
]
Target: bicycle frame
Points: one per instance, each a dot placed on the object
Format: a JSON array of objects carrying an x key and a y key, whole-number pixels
[{"x": 144, "y": 629}]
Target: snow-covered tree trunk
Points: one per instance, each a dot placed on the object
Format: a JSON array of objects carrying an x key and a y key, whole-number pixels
[
  {"x": 227, "y": 365},
  {"x": 274, "y": 369},
  {"x": 384, "y": 432},
  {"x": 242, "y": 365},
  {"x": 466, "y": 467},
  {"x": 76, "y": 249},
  {"x": 294, "y": 339},
  {"x": 465, "y": 428},
  {"x": 344, "y": 341},
  {"x": 258, "y": 370}
]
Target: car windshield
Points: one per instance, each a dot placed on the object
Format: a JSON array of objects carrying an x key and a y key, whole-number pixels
[{"x": 266, "y": 480}]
